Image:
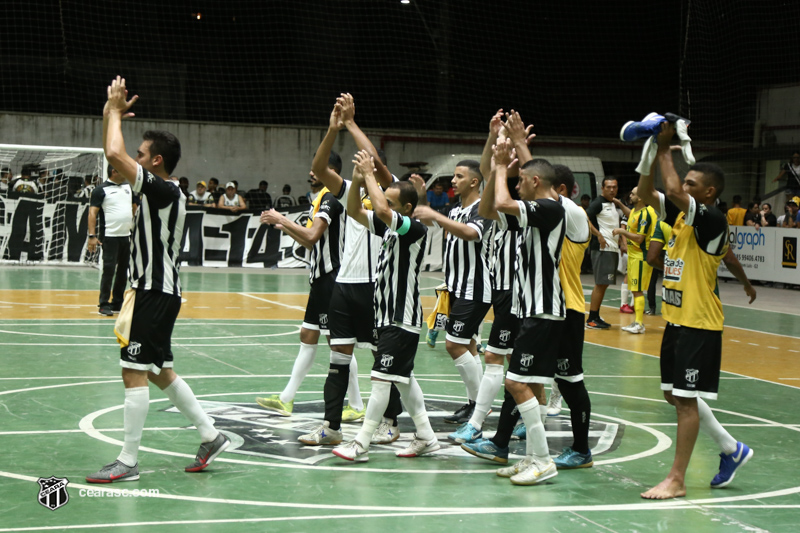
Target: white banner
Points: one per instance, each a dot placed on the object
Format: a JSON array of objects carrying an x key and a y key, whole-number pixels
[{"x": 766, "y": 254}]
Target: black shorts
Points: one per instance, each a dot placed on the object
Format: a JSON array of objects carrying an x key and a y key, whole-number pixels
[
  {"x": 690, "y": 361},
  {"x": 352, "y": 315},
  {"x": 535, "y": 351},
  {"x": 505, "y": 326},
  {"x": 465, "y": 319},
  {"x": 604, "y": 265},
  {"x": 319, "y": 303},
  {"x": 569, "y": 364},
  {"x": 394, "y": 359},
  {"x": 150, "y": 342}
]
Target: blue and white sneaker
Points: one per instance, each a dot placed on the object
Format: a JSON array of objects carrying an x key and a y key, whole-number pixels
[
  {"x": 520, "y": 432},
  {"x": 642, "y": 129},
  {"x": 486, "y": 449},
  {"x": 465, "y": 433},
  {"x": 430, "y": 337},
  {"x": 729, "y": 463},
  {"x": 570, "y": 459}
]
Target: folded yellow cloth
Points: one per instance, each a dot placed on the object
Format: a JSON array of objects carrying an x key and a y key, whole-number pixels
[
  {"x": 438, "y": 318},
  {"x": 315, "y": 205},
  {"x": 122, "y": 327}
]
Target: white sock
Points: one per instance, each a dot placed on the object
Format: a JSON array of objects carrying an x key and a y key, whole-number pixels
[
  {"x": 536, "y": 444},
  {"x": 353, "y": 392},
  {"x": 182, "y": 397},
  {"x": 478, "y": 362},
  {"x": 412, "y": 396},
  {"x": 490, "y": 385},
  {"x": 378, "y": 401},
  {"x": 469, "y": 374},
  {"x": 303, "y": 363},
  {"x": 137, "y": 403},
  {"x": 711, "y": 427},
  {"x": 625, "y": 296}
]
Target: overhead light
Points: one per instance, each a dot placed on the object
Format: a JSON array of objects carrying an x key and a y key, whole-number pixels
[{"x": 405, "y": 1}]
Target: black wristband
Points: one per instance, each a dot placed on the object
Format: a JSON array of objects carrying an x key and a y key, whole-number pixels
[{"x": 92, "y": 236}]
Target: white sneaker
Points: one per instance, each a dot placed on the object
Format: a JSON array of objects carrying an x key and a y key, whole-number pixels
[
  {"x": 554, "y": 403},
  {"x": 385, "y": 433},
  {"x": 636, "y": 327},
  {"x": 419, "y": 447},
  {"x": 321, "y": 436},
  {"x": 352, "y": 451},
  {"x": 514, "y": 469},
  {"x": 535, "y": 473}
]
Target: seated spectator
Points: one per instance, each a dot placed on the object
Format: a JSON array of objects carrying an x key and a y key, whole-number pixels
[
  {"x": 767, "y": 218},
  {"x": 231, "y": 200},
  {"x": 259, "y": 199},
  {"x": 88, "y": 187},
  {"x": 213, "y": 188},
  {"x": 437, "y": 197},
  {"x": 5, "y": 180},
  {"x": 26, "y": 184},
  {"x": 183, "y": 184},
  {"x": 585, "y": 201},
  {"x": 200, "y": 196},
  {"x": 285, "y": 200},
  {"x": 791, "y": 173},
  {"x": 737, "y": 212},
  {"x": 753, "y": 216},
  {"x": 787, "y": 219}
]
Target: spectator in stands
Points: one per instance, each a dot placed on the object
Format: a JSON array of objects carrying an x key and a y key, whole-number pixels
[
  {"x": 585, "y": 201},
  {"x": 26, "y": 184},
  {"x": 200, "y": 195},
  {"x": 436, "y": 196},
  {"x": 231, "y": 200},
  {"x": 88, "y": 187},
  {"x": 183, "y": 184},
  {"x": 259, "y": 199},
  {"x": 737, "y": 212},
  {"x": 753, "y": 216},
  {"x": 213, "y": 188},
  {"x": 285, "y": 200},
  {"x": 791, "y": 172},
  {"x": 786, "y": 220},
  {"x": 767, "y": 218},
  {"x": 5, "y": 180}
]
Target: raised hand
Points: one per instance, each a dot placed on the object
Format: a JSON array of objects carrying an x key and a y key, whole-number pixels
[
  {"x": 419, "y": 184},
  {"x": 335, "y": 121},
  {"x": 118, "y": 98},
  {"x": 502, "y": 153},
  {"x": 348, "y": 107},
  {"x": 364, "y": 165},
  {"x": 666, "y": 135},
  {"x": 496, "y": 123},
  {"x": 517, "y": 131}
]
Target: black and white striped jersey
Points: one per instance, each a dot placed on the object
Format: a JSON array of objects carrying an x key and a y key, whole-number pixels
[
  {"x": 157, "y": 233},
  {"x": 503, "y": 255},
  {"x": 360, "y": 248},
  {"x": 466, "y": 263},
  {"x": 327, "y": 251},
  {"x": 537, "y": 287},
  {"x": 397, "y": 298}
]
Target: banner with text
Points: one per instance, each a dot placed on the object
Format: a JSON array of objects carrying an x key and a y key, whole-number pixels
[{"x": 766, "y": 254}]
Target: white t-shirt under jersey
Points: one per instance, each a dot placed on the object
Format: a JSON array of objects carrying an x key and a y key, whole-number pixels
[{"x": 360, "y": 248}]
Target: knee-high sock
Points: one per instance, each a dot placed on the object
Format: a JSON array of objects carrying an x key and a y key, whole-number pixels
[
  {"x": 490, "y": 385},
  {"x": 303, "y": 363},
  {"x": 394, "y": 407},
  {"x": 509, "y": 414},
  {"x": 378, "y": 400},
  {"x": 625, "y": 294},
  {"x": 479, "y": 364},
  {"x": 415, "y": 403},
  {"x": 353, "y": 391},
  {"x": 182, "y": 397},
  {"x": 336, "y": 388},
  {"x": 638, "y": 307},
  {"x": 580, "y": 411},
  {"x": 137, "y": 403},
  {"x": 536, "y": 445},
  {"x": 469, "y": 373},
  {"x": 711, "y": 427}
]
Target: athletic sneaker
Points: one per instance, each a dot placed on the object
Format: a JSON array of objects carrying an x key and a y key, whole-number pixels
[
  {"x": 274, "y": 403},
  {"x": 627, "y": 309},
  {"x": 462, "y": 414},
  {"x": 729, "y": 463},
  {"x": 636, "y": 327},
  {"x": 105, "y": 310},
  {"x": 650, "y": 311},
  {"x": 597, "y": 323},
  {"x": 430, "y": 338},
  {"x": 514, "y": 469},
  {"x": 352, "y": 451},
  {"x": 385, "y": 433},
  {"x": 322, "y": 436},
  {"x": 115, "y": 472},
  {"x": 208, "y": 452},
  {"x": 465, "y": 433},
  {"x": 647, "y": 127},
  {"x": 554, "y": 404},
  {"x": 419, "y": 447},
  {"x": 520, "y": 432},
  {"x": 116, "y": 308},
  {"x": 570, "y": 459},
  {"x": 535, "y": 473},
  {"x": 481, "y": 348},
  {"x": 351, "y": 415},
  {"x": 486, "y": 449}
]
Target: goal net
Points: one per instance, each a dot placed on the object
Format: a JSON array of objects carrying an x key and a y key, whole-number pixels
[{"x": 44, "y": 201}]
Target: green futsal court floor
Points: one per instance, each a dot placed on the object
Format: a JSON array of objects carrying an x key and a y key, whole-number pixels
[{"x": 61, "y": 400}]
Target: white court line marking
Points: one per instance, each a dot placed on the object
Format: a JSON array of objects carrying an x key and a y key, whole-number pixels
[
  {"x": 272, "y": 301},
  {"x": 791, "y": 379},
  {"x": 218, "y": 337}
]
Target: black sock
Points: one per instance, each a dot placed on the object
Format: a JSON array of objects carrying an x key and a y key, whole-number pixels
[
  {"x": 395, "y": 407},
  {"x": 334, "y": 392},
  {"x": 508, "y": 419},
  {"x": 593, "y": 314},
  {"x": 580, "y": 410}
]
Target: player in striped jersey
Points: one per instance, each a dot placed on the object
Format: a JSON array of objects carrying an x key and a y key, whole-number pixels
[
  {"x": 466, "y": 269},
  {"x": 155, "y": 245},
  {"x": 398, "y": 312},
  {"x": 324, "y": 236}
]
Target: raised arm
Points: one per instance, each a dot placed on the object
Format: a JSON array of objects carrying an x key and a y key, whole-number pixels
[
  {"x": 115, "y": 110},
  {"x": 519, "y": 135},
  {"x": 319, "y": 165},
  {"x": 486, "y": 208},
  {"x": 305, "y": 237},
  {"x": 495, "y": 125},
  {"x": 348, "y": 108},
  {"x": 502, "y": 196},
  {"x": 672, "y": 182},
  {"x": 355, "y": 209},
  {"x": 646, "y": 189}
]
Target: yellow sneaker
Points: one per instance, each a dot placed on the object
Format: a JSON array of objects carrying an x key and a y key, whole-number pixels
[
  {"x": 351, "y": 415},
  {"x": 274, "y": 403}
]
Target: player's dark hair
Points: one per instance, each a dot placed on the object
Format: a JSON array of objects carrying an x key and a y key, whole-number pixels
[
  {"x": 109, "y": 170},
  {"x": 473, "y": 166},
  {"x": 335, "y": 162},
  {"x": 166, "y": 145},
  {"x": 564, "y": 176},
  {"x": 605, "y": 179},
  {"x": 408, "y": 193},
  {"x": 737, "y": 199},
  {"x": 215, "y": 180},
  {"x": 713, "y": 176},
  {"x": 542, "y": 168}
]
